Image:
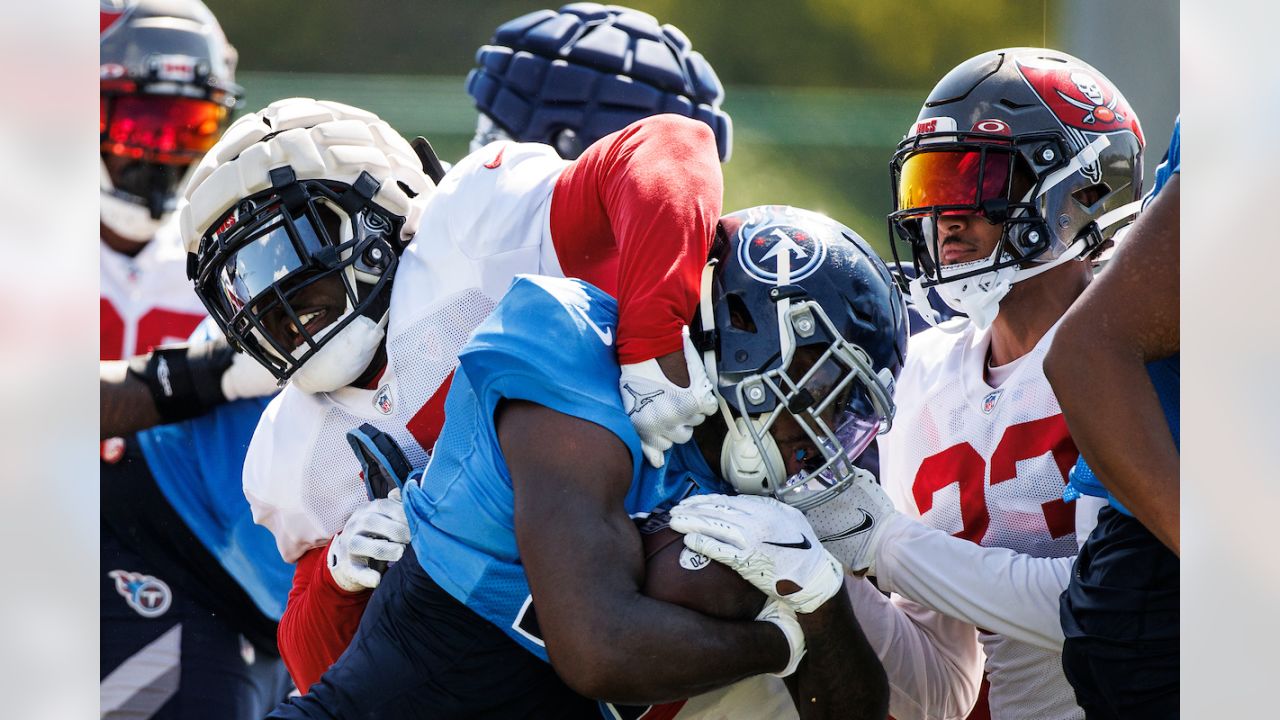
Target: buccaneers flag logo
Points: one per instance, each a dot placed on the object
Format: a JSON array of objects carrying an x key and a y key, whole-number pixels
[{"x": 1080, "y": 97}]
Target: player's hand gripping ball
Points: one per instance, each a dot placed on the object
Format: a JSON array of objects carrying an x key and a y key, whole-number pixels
[
  {"x": 765, "y": 541},
  {"x": 680, "y": 576}
]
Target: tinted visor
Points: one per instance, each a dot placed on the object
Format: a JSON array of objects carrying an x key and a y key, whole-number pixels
[
  {"x": 844, "y": 420},
  {"x": 271, "y": 254},
  {"x": 930, "y": 179},
  {"x": 159, "y": 128}
]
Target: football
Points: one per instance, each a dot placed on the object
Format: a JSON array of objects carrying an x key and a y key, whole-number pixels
[{"x": 678, "y": 575}]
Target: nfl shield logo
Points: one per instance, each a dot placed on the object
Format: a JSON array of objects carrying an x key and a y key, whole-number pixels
[
  {"x": 382, "y": 400},
  {"x": 989, "y": 402}
]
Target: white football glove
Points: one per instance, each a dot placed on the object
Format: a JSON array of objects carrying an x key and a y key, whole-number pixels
[
  {"x": 852, "y": 523},
  {"x": 778, "y": 613},
  {"x": 375, "y": 533},
  {"x": 663, "y": 413},
  {"x": 763, "y": 540},
  {"x": 247, "y": 378}
]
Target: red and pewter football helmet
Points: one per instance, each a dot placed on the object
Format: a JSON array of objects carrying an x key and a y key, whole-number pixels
[
  {"x": 167, "y": 91},
  {"x": 1035, "y": 139}
]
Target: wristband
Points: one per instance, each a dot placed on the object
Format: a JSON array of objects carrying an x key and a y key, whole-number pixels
[{"x": 185, "y": 379}]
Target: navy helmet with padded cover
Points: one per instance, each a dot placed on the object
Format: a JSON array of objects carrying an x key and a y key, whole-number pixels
[{"x": 569, "y": 78}]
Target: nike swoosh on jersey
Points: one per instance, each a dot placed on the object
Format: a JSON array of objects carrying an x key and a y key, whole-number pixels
[
  {"x": 605, "y": 334},
  {"x": 497, "y": 159},
  {"x": 804, "y": 544},
  {"x": 863, "y": 526}
]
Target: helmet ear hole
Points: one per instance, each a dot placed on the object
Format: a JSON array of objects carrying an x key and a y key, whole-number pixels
[
  {"x": 330, "y": 221},
  {"x": 1089, "y": 196},
  {"x": 739, "y": 315}
]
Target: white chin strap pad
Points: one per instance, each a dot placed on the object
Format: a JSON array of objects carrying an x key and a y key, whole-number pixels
[
  {"x": 742, "y": 464},
  {"x": 978, "y": 296},
  {"x": 341, "y": 359},
  {"x": 130, "y": 221}
]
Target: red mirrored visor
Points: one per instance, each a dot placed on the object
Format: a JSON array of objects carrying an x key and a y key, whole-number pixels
[
  {"x": 160, "y": 128},
  {"x": 953, "y": 177}
]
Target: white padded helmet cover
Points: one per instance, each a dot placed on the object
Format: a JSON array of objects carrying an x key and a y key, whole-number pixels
[{"x": 320, "y": 140}]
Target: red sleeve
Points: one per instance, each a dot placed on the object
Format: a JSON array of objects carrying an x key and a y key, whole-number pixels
[
  {"x": 319, "y": 620},
  {"x": 635, "y": 216}
]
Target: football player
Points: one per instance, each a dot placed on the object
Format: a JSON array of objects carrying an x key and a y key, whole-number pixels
[
  {"x": 1020, "y": 165},
  {"x": 524, "y": 547},
  {"x": 1119, "y": 388},
  {"x": 328, "y": 598},
  {"x": 301, "y": 221},
  {"x": 190, "y": 590},
  {"x": 167, "y": 92}
]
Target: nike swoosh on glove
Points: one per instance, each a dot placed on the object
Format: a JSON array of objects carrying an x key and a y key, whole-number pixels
[
  {"x": 374, "y": 535},
  {"x": 765, "y": 541},
  {"x": 663, "y": 413},
  {"x": 852, "y": 523}
]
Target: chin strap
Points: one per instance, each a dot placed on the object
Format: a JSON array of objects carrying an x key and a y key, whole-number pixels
[
  {"x": 920, "y": 300},
  {"x": 706, "y": 315},
  {"x": 1118, "y": 215},
  {"x": 129, "y": 220}
]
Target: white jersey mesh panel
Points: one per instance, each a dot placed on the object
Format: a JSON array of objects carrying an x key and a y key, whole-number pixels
[
  {"x": 332, "y": 488},
  {"x": 427, "y": 351},
  {"x": 419, "y": 359},
  {"x": 987, "y": 464},
  {"x": 1028, "y": 682}
]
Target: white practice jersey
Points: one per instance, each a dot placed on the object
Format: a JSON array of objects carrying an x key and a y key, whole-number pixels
[
  {"x": 989, "y": 465},
  {"x": 146, "y": 300},
  {"x": 486, "y": 222}
]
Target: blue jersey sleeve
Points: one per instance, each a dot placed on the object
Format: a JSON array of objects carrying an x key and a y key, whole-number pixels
[{"x": 551, "y": 342}]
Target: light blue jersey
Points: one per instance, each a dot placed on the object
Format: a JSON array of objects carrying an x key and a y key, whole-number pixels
[
  {"x": 549, "y": 341},
  {"x": 198, "y": 464},
  {"x": 1164, "y": 373}
]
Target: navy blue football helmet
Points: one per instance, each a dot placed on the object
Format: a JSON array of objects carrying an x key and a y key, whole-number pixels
[
  {"x": 803, "y": 333},
  {"x": 569, "y": 78}
]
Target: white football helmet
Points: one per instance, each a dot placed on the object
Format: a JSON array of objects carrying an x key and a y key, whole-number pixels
[{"x": 295, "y": 222}]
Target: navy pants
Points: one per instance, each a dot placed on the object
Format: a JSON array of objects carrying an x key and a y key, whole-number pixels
[
  {"x": 165, "y": 655},
  {"x": 419, "y": 653},
  {"x": 1120, "y": 617}
]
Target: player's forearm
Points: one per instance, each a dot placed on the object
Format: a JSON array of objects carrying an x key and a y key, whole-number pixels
[
  {"x": 1127, "y": 318},
  {"x": 840, "y": 676},
  {"x": 319, "y": 620},
  {"x": 1116, "y": 421},
  {"x": 125, "y": 403},
  {"x": 997, "y": 589},
  {"x": 640, "y": 651}
]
